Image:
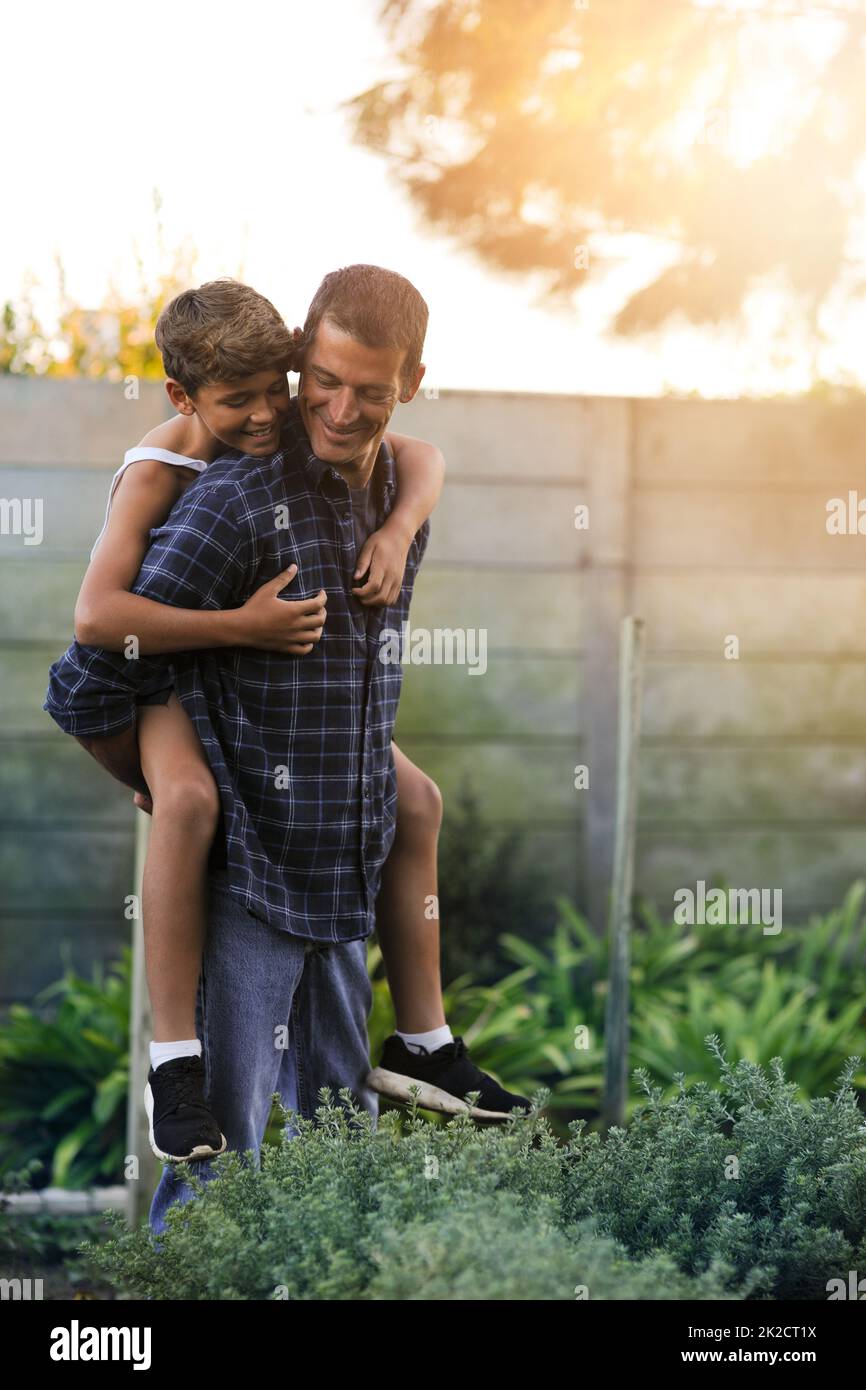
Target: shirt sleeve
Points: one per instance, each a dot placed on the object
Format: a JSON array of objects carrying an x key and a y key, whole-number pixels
[
  {"x": 202, "y": 556},
  {"x": 91, "y": 692}
]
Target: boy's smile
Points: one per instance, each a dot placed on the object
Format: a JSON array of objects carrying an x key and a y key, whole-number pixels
[{"x": 246, "y": 414}]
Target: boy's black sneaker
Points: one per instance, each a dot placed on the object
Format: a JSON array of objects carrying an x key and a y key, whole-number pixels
[
  {"x": 444, "y": 1078},
  {"x": 182, "y": 1126}
]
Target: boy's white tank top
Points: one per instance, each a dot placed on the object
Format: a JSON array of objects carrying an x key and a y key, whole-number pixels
[{"x": 147, "y": 451}]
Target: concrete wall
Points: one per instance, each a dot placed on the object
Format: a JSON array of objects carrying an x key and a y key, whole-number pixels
[{"x": 707, "y": 519}]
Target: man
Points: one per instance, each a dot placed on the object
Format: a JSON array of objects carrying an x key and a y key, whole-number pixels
[{"x": 300, "y": 749}]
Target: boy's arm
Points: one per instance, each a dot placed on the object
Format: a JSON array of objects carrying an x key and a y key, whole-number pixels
[
  {"x": 420, "y": 474},
  {"x": 110, "y": 610},
  {"x": 420, "y": 469},
  {"x": 107, "y": 613}
]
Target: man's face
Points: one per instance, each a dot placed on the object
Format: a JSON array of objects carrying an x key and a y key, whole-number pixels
[
  {"x": 346, "y": 395},
  {"x": 246, "y": 414}
]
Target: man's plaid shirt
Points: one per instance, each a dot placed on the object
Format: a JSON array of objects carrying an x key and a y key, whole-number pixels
[{"x": 300, "y": 746}]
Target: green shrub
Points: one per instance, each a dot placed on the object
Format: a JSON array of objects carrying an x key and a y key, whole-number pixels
[
  {"x": 799, "y": 996},
  {"x": 742, "y": 1176},
  {"x": 46, "y": 1245},
  {"x": 64, "y": 1080},
  {"x": 343, "y": 1211},
  {"x": 346, "y": 1211}
]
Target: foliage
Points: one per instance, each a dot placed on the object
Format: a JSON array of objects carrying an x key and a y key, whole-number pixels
[
  {"x": 64, "y": 1079},
  {"x": 46, "y": 1245},
  {"x": 537, "y": 133},
  {"x": 113, "y": 342},
  {"x": 342, "y": 1210},
  {"x": 743, "y": 1176},
  {"x": 799, "y": 995},
  {"x": 44, "y": 1237}
]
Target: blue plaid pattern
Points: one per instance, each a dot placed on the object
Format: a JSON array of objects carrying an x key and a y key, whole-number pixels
[{"x": 300, "y": 746}]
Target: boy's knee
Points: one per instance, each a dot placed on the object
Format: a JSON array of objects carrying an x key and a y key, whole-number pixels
[
  {"x": 419, "y": 806},
  {"x": 190, "y": 799}
]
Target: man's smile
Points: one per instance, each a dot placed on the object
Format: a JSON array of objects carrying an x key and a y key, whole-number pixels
[{"x": 338, "y": 433}]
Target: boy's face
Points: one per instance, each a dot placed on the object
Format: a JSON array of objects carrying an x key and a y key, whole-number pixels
[
  {"x": 347, "y": 394},
  {"x": 245, "y": 414}
]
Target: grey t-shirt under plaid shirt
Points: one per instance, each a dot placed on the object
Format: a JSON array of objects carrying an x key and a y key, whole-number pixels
[{"x": 300, "y": 747}]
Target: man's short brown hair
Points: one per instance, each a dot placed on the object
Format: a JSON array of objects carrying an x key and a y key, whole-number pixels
[
  {"x": 221, "y": 331},
  {"x": 375, "y": 306}
]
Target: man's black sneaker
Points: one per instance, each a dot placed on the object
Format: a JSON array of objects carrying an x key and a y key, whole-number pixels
[
  {"x": 182, "y": 1127},
  {"x": 444, "y": 1078}
]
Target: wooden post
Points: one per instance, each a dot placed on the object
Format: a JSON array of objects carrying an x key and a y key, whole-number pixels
[
  {"x": 616, "y": 1032},
  {"x": 141, "y": 1188},
  {"x": 607, "y": 601}
]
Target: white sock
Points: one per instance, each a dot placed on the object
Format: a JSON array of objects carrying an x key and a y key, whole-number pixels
[
  {"x": 164, "y": 1051},
  {"x": 437, "y": 1037}
]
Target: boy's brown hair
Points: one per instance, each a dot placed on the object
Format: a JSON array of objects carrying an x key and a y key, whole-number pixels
[
  {"x": 377, "y": 307},
  {"x": 221, "y": 331}
]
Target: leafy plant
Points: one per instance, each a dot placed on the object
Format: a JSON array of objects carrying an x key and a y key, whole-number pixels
[
  {"x": 343, "y": 1211},
  {"x": 64, "y": 1079},
  {"x": 46, "y": 1245},
  {"x": 742, "y": 1176},
  {"x": 733, "y": 1192},
  {"x": 113, "y": 341},
  {"x": 800, "y": 995}
]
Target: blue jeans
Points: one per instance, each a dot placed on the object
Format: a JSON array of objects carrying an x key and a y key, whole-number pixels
[{"x": 274, "y": 1012}]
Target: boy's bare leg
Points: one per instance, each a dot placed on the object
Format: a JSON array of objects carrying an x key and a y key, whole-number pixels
[
  {"x": 409, "y": 939},
  {"x": 174, "y": 888},
  {"x": 118, "y": 754}
]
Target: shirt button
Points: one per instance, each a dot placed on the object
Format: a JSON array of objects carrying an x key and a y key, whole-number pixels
[{"x": 366, "y": 791}]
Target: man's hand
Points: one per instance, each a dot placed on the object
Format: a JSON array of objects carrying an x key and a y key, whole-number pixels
[
  {"x": 143, "y": 803},
  {"x": 384, "y": 555},
  {"x": 279, "y": 625}
]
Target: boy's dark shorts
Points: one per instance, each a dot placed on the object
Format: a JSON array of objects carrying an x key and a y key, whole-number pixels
[
  {"x": 157, "y": 697},
  {"x": 92, "y": 695}
]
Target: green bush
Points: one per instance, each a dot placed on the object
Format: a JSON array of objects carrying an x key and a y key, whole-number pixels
[
  {"x": 64, "y": 1080},
  {"x": 800, "y": 996},
  {"x": 346, "y": 1211},
  {"x": 343, "y": 1211},
  {"x": 742, "y": 1176},
  {"x": 45, "y": 1245}
]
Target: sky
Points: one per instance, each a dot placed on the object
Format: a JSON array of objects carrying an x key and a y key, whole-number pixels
[{"x": 232, "y": 113}]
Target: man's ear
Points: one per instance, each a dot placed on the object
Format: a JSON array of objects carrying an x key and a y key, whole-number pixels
[
  {"x": 178, "y": 397},
  {"x": 408, "y": 392}
]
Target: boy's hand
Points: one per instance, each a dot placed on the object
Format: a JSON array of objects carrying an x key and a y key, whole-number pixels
[
  {"x": 278, "y": 625},
  {"x": 384, "y": 555}
]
